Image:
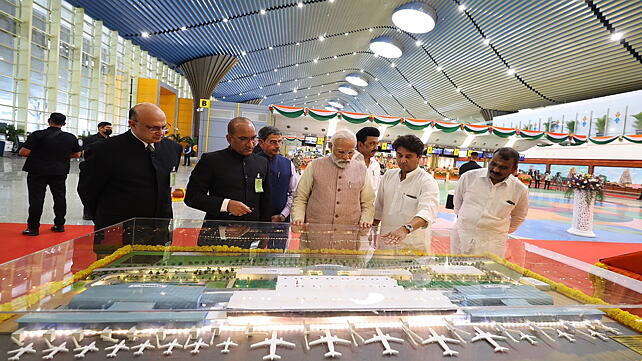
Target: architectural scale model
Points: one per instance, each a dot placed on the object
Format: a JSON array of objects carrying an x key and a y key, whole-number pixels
[
  {"x": 53, "y": 350},
  {"x": 490, "y": 338},
  {"x": 170, "y": 346},
  {"x": 83, "y": 350},
  {"x": 226, "y": 345},
  {"x": 17, "y": 353},
  {"x": 140, "y": 348},
  {"x": 330, "y": 340},
  {"x": 116, "y": 348},
  {"x": 385, "y": 340},
  {"x": 443, "y": 342},
  {"x": 273, "y": 343}
]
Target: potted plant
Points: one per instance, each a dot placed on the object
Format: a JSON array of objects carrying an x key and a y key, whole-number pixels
[
  {"x": 600, "y": 125},
  {"x": 638, "y": 122},
  {"x": 440, "y": 173},
  {"x": 12, "y": 134},
  {"x": 454, "y": 174},
  {"x": 525, "y": 178}
]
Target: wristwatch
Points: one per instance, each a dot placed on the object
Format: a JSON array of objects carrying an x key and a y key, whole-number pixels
[{"x": 408, "y": 227}]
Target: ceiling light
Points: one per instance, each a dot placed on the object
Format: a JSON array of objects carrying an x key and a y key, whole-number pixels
[
  {"x": 224, "y": 20},
  {"x": 321, "y": 38},
  {"x": 439, "y": 68},
  {"x": 144, "y": 34},
  {"x": 271, "y": 47},
  {"x": 275, "y": 69},
  {"x": 392, "y": 65},
  {"x": 260, "y": 87},
  {"x": 243, "y": 53},
  {"x": 316, "y": 60},
  {"x": 300, "y": 4},
  {"x": 348, "y": 90},
  {"x": 183, "y": 28},
  {"x": 415, "y": 17},
  {"x": 425, "y": 102},
  {"x": 332, "y": 109},
  {"x": 418, "y": 43},
  {"x": 298, "y": 43},
  {"x": 458, "y": 90},
  {"x": 331, "y": 1},
  {"x": 461, "y": 8},
  {"x": 229, "y": 80},
  {"x": 370, "y": 30},
  {"x": 297, "y": 64},
  {"x": 376, "y": 79},
  {"x": 294, "y": 90},
  {"x": 511, "y": 71},
  {"x": 278, "y": 83},
  {"x": 617, "y": 36},
  {"x": 486, "y": 41},
  {"x": 335, "y": 56},
  {"x": 223, "y": 97},
  {"x": 262, "y": 11},
  {"x": 240, "y": 94},
  {"x": 336, "y": 104},
  {"x": 346, "y": 34},
  {"x": 386, "y": 47}
]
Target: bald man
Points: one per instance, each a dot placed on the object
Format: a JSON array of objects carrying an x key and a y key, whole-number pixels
[
  {"x": 128, "y": 175},
  {"x": 232, "y": 184}
]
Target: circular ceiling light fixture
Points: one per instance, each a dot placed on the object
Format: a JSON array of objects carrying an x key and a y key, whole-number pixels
[
  {"x": 348, "y": 90},
  {"x": 327, "y": 107},
  {"x": 336, "y": 104},
  {"x": 415, "y": 17},
  {"x": 386, "y": 46},
  {"x": 356, "y": 79}
]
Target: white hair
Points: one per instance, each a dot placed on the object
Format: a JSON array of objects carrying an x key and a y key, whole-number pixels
[{"x": 344, "y": 134}]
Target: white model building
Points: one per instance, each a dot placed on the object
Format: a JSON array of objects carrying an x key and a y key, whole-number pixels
[{"x": 316, "y": 293}]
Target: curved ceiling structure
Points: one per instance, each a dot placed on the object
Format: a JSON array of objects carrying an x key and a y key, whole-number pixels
[{"x": 482, "y": 54}]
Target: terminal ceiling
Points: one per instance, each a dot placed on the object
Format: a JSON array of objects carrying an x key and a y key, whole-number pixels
[{"x": 536, "y": 53}]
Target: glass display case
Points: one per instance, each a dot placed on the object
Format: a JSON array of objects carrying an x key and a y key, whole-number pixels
[{"x": 186, "y": 289}]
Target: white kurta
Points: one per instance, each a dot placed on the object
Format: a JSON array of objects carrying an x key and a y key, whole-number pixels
[
  {"x": 487, "y": 212},
  {"x": 400, "y": 201},
  {"x": 373, "y": 171}
]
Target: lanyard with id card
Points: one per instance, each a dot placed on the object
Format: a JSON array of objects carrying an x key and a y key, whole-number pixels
[{"x": 258, "y": 183}]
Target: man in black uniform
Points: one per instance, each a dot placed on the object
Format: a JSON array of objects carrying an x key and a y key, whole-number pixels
[
  {"x": 128, "y": 176},
  {"x": 104, "y": 131},
  {"x": 471, "y": 164},
  {"x": 48, "y": 152},
  {"x": 231, "y": 184}
]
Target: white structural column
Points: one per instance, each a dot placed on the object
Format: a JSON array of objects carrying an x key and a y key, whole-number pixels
[
  {"x": 24, "y": 62},
  {"x": 583, "y": 203},
  {"x": 76, "y": 65},
  {"x": 110, "y": 85},
  {"x": 94, "y": 90},
  {"x": 54, "y": 56},
  {"x": 136, "y": 60}
]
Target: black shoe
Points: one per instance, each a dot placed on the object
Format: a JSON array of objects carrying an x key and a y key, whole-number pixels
[
  {"x": 58, "y": 228},
  {"x": 87, "y": 217},
  {"x": 30, "y": 232}
]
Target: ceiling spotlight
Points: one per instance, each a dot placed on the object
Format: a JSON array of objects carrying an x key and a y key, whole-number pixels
[
  {"x": 409, "y": 85},
  {"x": 425, "y": 102},
  {"x": 370, "y": 30},
  {"x": 418, "y": 43},
  {"x": 144, "y": 34},
  {"x": 511, "y": 71},
  {"x": 275, "y": 69},
  {"x": 262, "y": 11},
  {"x": 346, "y": 34},
  {"x": 278, "y": 83},
  {"x": 294, "y": 90},
  {"x": 439, "y": 68},
  {"x": 335, "y": 104},
  {"x": 297, "y": 64},
  {"x": 356, "y": 79},
  {"x": 316, "y": 60},
  {"x": 225, "y": 20},
  {"x": 392, "y": 65},
  {"x": 617, "y": 36},
  {"x": 386, "y": 47},
  {"x": 183, "y": 28},
  {"x": 461, "y": 8},
  {"x": 321, "y": 38},
  {"x": 260, "y": 87},
  {"x": 335, "y": 56},
  {"x": 300, "y": 4},
  {"x": 486, "y": 41},
  {"x": 415, "y": 17},
  {"x": 332, "y": 109},
  {"x": 243, "y": 53},
  {"x": 297, "y": 44},
  {"x": 348, "y": 90},
  {"x": 458, "y": 90},
  {"x": 229, "y": 80}
]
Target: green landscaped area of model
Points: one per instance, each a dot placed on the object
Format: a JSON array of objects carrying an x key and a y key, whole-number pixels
[{"x": 265, "y": 284}]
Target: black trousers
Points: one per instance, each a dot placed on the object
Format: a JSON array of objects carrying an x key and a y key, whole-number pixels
[
  {"x": 37, "y": 186},
  {"x": 187, "y": 159}
]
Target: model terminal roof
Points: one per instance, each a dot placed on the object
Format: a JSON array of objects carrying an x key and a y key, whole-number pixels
[
  {"x": 481, "y": 54},
  {"x": 161, "y": 296}
]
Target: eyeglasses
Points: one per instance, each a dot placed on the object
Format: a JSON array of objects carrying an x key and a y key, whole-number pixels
[
  {"x": 275, "y": 142},
  {"x": 253, "y": 139},
  {"x": 163, "y": 129}
]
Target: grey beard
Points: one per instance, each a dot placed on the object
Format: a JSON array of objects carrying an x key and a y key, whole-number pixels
[{"x": 339, "y": 163}]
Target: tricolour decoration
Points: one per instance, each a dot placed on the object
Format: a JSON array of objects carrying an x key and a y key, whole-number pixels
[
  {"x": 319, "y": 114},
  {"x": 503, "y": 132},
  {"x": 355, "y": 118},
  {"x": 290, "y": 112},
  {"x": 447, "y": 127},
  {"x": 603, "y": 140},
  {"x": 556, "y": 137},
  {"x": 578, "y": 139},
  {"x": 292, "y": 138},
  {"x": 531, "y": 134},
  {"x": 637, "y": 138},
  {"x": 385, "y": 120},
  {"x": 417, "y": 124},
  {"x": 476, "y": 128}
]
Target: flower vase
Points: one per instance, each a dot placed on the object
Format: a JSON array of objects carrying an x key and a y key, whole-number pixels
[{"x": 583, "y": 203}]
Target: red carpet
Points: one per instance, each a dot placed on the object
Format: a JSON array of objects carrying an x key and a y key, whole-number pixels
[
  {"x": 585, "y": 251},
  {"x": 15, "y": 245}
]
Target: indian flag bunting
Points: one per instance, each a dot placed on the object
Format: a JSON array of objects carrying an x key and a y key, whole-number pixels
[
  {"x": 556, "y": 137},
  {"x": 476, "y": 128},
  {"x": 290, "y": 112},
  {"x": 503, "y": 132},
  {"x": 384, "y": 120},
  {"x": 531, "y": 134},
  {"x": 578, "y": 139},
  {"x": 603, "y": 140},
  {"x": 355, "y": 118},
  {"x": 637, "y": 138},
  {"x": 417, "y": 124},
  {"x": 447, "y": 127},
  {"x": 319, "y": 114},
  {"x": 292, "y": 138}
]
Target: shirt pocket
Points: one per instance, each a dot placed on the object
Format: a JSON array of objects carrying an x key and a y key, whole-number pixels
[
  {"x": 502, "y": 209},
  {"x": 409, "y": 203}
]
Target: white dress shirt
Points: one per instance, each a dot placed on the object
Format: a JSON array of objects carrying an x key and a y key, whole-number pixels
[
  {"x": 294, "y": 181},
  {"x": 399, "y": 201},
  {"x": 487, "y": 212},
  {"x": 373, "y": 171}
]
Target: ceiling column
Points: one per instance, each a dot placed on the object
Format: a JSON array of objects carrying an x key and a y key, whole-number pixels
[{"x": 203, "y": 75}]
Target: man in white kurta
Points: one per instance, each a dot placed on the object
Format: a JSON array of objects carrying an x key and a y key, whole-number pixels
[
  {"x": 408, "y": 199},
  {"x": 490, "y": 203}
]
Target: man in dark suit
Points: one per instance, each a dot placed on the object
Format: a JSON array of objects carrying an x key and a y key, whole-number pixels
[
  {"x": 231, "y": 184},
  {"x": 104, "y": 131},
  {"x": 128, "y": 175},
  {"x": 48, "y": 152},
  {"x": 471, "y": 164}
]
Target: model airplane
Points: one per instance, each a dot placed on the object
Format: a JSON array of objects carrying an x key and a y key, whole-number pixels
[
  {"x": 596, "y": 334},
  {"x": 384, "y": 339},
  {"x": 132, "y": 334},
  {"x": 490, "y": 338},
  {"x": 226, "y": 345},
  {"x": 170, "y": 346},
  {"x": 53, "y": 350},
  {"x": 20, "y": 351},
  {"x": 537, "y": 329},
  {"x": 354, "y": 335},
  {"x": 115, "y": 348},
  {"x": 18, "y": 337},
  {"x": 330, "y": 340},
  {"x": 530, "y": 338},
  {"x": 196, "y": 345},
  {"x": 442, "y": 341},
  {"x": 566, "y": 335},
  {"x": 140, "y": 348},
  {"x": 85, "y": 349},
  {"x": 412, "y": 335},
  {"x": 504, "y": 332},
  {"x": 272, "y": 342},
  {"x": 604, "y": 327},
  {"x": 455, "y": 331},
  {"x": 105, "y": 335},
  {"x": 215, "y": 332}
]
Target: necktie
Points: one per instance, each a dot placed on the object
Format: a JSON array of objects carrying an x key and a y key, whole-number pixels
[{"x": 150, "y": 149}]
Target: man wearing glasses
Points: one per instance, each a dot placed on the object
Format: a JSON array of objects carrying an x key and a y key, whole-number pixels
[{"x": 128, "y": 175}]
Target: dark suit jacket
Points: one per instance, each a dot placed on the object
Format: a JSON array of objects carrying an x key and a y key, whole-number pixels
[
  {"x": 468, "y": 166},
  {"x": 227, "y": 174},
  {"x": 121, "y": 179}
]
